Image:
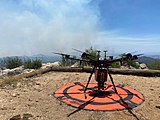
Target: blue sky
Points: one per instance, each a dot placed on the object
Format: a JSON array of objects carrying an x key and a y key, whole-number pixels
[{"x": 41, "y": 26}]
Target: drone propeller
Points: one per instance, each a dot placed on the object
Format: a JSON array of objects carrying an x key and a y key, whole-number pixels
[
  {"x": 139, "y": 54},
  {"x": 135, "y": 52},
  {"x": 77, "y": 50},
  {"x": 130, "y": 56},
  {"x": 64, "y": 55},
  {"x": 136, "y": 56}
]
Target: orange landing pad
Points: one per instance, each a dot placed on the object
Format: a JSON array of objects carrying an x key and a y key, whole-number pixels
[{"x": 106, "y": 100}]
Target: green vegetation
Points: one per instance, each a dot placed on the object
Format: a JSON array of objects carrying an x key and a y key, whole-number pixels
[
  {"x": 131, "y": 63},
  {"x": 92, "y": 53},
  {"x": 115, "y": 65},
  {"x": 12, "y": 62},
  {"x": 154, "y": 65},
  {"x": 128, "y": 63},
  {"x": 67, "y": 62},
  {"x": 32, "y": 64}
]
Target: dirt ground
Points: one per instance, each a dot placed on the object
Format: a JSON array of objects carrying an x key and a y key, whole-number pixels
[{"x": 31, "y": 99}]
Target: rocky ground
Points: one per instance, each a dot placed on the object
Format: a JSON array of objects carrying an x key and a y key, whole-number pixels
[{"x": 31, "y": 99}]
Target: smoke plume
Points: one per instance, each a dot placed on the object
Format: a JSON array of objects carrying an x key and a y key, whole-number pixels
[{"x": 41, "y": 26}]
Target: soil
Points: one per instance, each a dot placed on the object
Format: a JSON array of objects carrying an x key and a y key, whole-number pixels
[{"x": 31, "y": 99}]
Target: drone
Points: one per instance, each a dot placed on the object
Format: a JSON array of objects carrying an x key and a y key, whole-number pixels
[{"x": 100, "y": 66}]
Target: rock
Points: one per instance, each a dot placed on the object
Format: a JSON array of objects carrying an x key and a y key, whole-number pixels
[
  {"x": 3, "y": 107},
  {"x": 158, "y": 106},
  {"x": 151, "y": 89},
  {"x": 75, "y": 65},
  {"x": 124, "y": 67},
  {"x": 15, "y": 95},
  {"x": 28, "y": 70},
  {"x": 19, "y": 84},
  {"x": 15, "y": 71},
  {"x": 17, "y": 117},
  {"x": 130, "y": 67},
  {"x": 48, "y": 65},
  {"x": 56, "y": 64},
  {"x": 143, "y": 66},
  {"x": 26, "y": 116},
  {"x": 37, "y": 83},
  {"x": 5, "y": 72}
]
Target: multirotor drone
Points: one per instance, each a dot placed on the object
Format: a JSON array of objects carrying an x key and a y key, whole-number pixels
[
  {"x": 101, "y": 66},
  {"x": 101, "y": 95}
]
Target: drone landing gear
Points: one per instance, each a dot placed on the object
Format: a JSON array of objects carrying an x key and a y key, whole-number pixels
[
  {"x": 101, "y": 78},
  {"x": 112, "y": 81}
]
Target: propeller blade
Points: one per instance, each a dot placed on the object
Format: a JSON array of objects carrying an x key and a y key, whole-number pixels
[
  {"x": 135, "y": 51},
  {"x": 139, "y": 54},
  {"x": 77, "y": 50},
  {"x": 64, "y": 55}
]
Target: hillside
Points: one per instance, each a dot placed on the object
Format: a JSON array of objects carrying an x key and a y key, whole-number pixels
[
  {"x": 32, "y": 99},
  {"x": 146, "y": 60}
]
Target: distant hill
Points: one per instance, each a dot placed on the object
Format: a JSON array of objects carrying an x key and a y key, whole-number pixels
[
  {"x": 146, "y": 60},
  {"x": 45, "y": 58},
  {"x": 155, "y": 56}
]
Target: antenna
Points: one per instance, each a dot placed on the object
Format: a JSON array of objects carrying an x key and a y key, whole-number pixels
[
  {"x": 105, "y": 54},
  {"x": 98, "y": 51}
]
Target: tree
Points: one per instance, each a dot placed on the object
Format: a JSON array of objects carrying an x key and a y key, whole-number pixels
[{"x": 92, "y": 53}]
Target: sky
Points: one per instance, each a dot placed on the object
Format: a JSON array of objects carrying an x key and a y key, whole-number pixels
[{"x": 29, "y": 27}]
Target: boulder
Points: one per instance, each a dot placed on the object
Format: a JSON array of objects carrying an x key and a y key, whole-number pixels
[
  {"x": 48, "y": 65},
  {"x": 15, "y": 71},
  {"x": 75, "y": 65},
  {"x": 143, "y": 66}
]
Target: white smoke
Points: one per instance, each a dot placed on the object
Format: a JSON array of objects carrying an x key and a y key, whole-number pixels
[{"x": 42, "y": 26}]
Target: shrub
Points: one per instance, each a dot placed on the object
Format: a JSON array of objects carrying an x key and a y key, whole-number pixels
[
  {"x": 32, "y": 64},
  {"x": 12, "y": 62},
  {"x": 155, "y": 65},
  {"x": 115, "y": 65},
  {"x": 92, "y": 53},
  {"x": 132, "y": 63}
]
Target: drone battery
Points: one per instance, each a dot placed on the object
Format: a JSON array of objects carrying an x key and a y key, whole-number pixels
[{"x": 101, "y": 75}]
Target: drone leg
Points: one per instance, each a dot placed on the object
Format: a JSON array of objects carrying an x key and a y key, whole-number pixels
[
  {"x": 88, "y": 81},
  {"x": 112, "y": 81}
]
